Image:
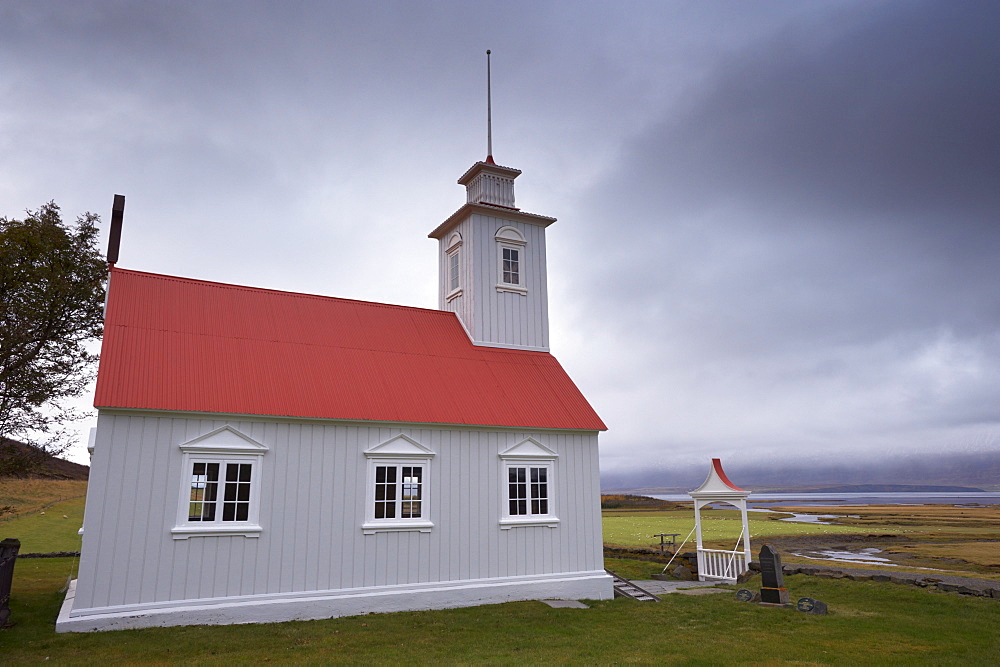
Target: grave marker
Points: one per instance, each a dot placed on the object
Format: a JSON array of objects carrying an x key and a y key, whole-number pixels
[
  {"x": 811, "y": 606},
  {"x": 772, "y": 590}
]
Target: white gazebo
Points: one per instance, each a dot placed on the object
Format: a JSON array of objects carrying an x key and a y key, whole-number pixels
[{"x": 718, "y": 564}]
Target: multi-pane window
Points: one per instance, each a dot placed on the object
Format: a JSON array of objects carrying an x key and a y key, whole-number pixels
[
  {"x": 528, "y": 485},
  {"x": 511, "y": 266},
  {"x": 399, "y": 491},
  {"x": 205, "y": 499},
  {"x": 510, "y": 245},
  {"x": 399, "y": 480},
  {"x": 220, "y": 478},
  {"x": 527, "y": 491},
  {"x": 453, "y": 271}
]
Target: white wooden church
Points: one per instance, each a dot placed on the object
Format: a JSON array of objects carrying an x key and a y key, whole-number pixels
[{"x": 267, "y": 456}]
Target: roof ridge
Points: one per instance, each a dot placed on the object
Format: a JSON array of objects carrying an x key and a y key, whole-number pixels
[{"x": 251, "y": 288}]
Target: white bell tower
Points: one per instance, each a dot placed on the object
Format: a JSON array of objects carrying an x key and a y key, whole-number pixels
[
  {"x": 492, "y": 257},
  {"x": 492, "y": 263}
]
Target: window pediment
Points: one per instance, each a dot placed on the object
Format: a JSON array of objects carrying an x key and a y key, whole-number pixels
[
  {"x": 510, "y": 235},
  {"x": 401, "y": 446},
  {"x": 225, "y": 439},
  {"x": 529, "y": 449}
]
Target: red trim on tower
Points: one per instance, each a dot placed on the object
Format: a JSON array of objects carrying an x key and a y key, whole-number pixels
[{"x": 717, "y": 464}]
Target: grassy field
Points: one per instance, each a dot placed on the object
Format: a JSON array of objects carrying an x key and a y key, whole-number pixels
[
  {"x": 28, "y": 496},
  {"x": 963, "y": 541},
  {"x": 634, "y": 569},
  {"x": 45, "y": 514},
  {"x": 720, "y": 528},
  {"x": 986, "y": 554},
  {"x": 982, "y": 520},
  {"x": 869, "y": 623},
  {"x": 53, "y": 529}
]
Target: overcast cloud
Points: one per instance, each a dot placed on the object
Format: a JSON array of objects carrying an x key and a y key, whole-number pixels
[{"x": 779, "y": 222}]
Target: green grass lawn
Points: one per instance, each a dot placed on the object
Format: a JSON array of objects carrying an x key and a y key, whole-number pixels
[
  {"x": 55, "y": 530},
  {"x": 634, "y": 569},
  {"x": 869, "y": 623}
]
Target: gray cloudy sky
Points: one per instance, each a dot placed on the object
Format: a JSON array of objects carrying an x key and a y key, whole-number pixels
[{"x": 779, "y": 222}]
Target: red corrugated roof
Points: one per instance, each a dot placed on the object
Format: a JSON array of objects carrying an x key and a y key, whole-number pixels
[{"x": 190, "y": 345}]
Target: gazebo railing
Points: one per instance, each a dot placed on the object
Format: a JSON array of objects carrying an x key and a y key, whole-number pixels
[{"x": 716, "y": 564}]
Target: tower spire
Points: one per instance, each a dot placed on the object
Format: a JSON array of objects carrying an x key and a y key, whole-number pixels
[{"x": 489, "y": 112}]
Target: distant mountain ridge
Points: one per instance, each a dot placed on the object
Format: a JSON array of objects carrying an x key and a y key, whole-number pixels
[
  {"x": 46, "y": 466},
  {"x": 890, "y": 488}
]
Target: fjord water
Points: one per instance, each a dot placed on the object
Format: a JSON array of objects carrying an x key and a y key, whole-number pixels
[{"x": 764, "y": 500}]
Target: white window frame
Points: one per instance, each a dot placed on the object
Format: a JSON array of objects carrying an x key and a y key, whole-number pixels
[
  {"x": 453, "y": 255},
  {"x": 529, "y": 453},
  {"x": 399, "y": 451},
  {"x": 224, "y": 446},
  {"x": 509, "y": 238}
]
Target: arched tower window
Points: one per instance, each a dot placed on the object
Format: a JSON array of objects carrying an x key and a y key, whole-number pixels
[
  {"x": 452, "y": 264},
  {"x": 510, "y": 256}
]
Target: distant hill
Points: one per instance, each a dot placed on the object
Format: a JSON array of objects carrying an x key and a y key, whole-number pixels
[
  {"x": 950, "y": 472},
  {"x": 48, "y": 467},
  {"x": 890, "y": 488}
]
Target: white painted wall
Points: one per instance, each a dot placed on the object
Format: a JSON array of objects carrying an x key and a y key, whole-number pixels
[
  {"x": 313, "y": 503},
  {"x": 491, "y": 317}
]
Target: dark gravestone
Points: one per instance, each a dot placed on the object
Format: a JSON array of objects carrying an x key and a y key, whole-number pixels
[
  {"x": 811, "y": 606},
  {"x": 8, "y": 556},
  {"x": 772, "y": 585}
]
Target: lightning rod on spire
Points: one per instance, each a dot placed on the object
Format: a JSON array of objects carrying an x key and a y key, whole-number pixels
[{"x": 489, "y": 111}]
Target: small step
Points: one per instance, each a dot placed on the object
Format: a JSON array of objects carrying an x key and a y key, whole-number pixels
[{"x": 627, "y": 589}]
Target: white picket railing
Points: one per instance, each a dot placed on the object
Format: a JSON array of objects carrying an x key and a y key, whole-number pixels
[{"x": 715, "y": 564}]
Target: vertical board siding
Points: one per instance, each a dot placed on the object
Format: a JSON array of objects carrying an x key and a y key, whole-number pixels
[
  {"x": 463, "y": 305},
  {"x": 313, "y": 500},
  {"x": 490, "y": 316}
]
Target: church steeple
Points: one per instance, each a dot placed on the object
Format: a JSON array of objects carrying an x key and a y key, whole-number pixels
[
  {"x": 492, "y": 269},
  {"x": 492, "y": 257}
]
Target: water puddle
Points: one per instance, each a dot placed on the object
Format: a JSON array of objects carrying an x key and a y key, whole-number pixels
[
  {"x": 867, "y": 556},
  {"x": 863, "y": 556},
  {"x": 807, "y": 518}
]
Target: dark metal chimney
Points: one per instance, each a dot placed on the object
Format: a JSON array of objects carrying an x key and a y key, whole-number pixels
[{"x": 115, "y": 238}]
